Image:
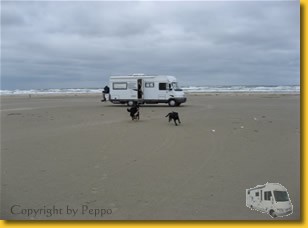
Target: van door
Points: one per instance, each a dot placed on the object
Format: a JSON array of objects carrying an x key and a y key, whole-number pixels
[
  {"x": 163, "y": 90},
  {"x": 268, "y": 200},
  {"x": 257, "y": 200},
  {"x": 133, "y": 90},
  {"x": 140, "y": 89}
]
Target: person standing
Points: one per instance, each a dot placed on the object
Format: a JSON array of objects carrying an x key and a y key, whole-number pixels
[{"x": 105, "y": 91}]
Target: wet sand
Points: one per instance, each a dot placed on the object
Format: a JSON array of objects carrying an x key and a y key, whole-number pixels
[{"x": 74, "y": 152}]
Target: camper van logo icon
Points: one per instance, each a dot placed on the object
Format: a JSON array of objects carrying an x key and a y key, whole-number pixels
[{"x": 271, "y": 198}]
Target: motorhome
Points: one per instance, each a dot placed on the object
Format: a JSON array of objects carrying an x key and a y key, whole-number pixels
[
  {"x": 145, "y": 89},
  {"x": 271, "y": 198}
]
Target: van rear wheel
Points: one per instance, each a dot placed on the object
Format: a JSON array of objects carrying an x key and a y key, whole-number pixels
[
  {"x": 130, "y": 103},
  {"x": 172, "y": 103}
]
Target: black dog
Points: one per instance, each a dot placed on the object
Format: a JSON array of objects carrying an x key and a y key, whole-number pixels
[
  {"x": 134, "y": 112},
  {"x": 174, "y": 116}
]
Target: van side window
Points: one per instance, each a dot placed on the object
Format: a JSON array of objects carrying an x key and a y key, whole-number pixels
[
  {"x": 267, "y": 195},
  {"x": 119, "y": 85},
  {"x": 162, "y": 86},
  {"x": 257, "y": 193},
  {"x": 149, "y": 84}
]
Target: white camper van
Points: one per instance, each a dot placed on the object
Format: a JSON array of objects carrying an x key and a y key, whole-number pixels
[
  {"x": 271, "y": 198},
  {"x": 145, "y": 89}
]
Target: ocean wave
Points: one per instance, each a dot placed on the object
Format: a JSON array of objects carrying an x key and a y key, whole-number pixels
[
  {"x": 187, "y": 89},
  {"x": 244, "y": 89},
  {"x": 51, "y": 91}
]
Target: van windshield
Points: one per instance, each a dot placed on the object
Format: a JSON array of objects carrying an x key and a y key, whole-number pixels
[
  {"x": 175, "y": 86},
  {"x": 281, "y": 196}
]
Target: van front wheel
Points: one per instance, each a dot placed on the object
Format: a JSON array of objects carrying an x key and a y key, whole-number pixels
[
  {"x": 172, "y": 103},
  {"x": 273, "y": 214}
]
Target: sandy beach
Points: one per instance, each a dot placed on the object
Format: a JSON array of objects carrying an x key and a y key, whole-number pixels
[{"x": 84, "y": 159}]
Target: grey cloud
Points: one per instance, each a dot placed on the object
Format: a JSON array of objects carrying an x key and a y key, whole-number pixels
[
  {"x": 11, "y": 19},
  {"x": 49, "y": 44}
]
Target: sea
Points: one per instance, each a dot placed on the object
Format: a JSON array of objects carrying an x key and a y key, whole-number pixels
[{"x": 282, "y": 89}]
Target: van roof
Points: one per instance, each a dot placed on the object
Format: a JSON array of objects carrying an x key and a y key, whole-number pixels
[
  {"x": 274, "y": 186},
  {"x": 159, "y": 77},
  {"x": 131, "y": 76}
]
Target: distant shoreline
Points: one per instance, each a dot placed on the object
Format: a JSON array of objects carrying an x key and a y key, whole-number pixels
[
  {"x": 259, "y": 89},
  {"x": 187, "y": 93}
]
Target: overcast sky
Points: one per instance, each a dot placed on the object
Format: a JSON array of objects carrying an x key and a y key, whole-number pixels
[{"x": 75, "y": 44}]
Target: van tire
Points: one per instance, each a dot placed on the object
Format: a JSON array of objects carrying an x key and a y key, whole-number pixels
[
  {"x": 130, "y": 103},
  {"x": 272, "y": 214},
  {"x": 171, "y": 103}
]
